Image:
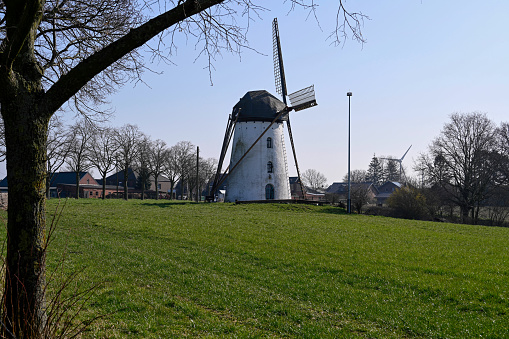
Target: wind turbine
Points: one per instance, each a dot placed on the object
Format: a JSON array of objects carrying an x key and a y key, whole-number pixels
[{"x": 401, "y": 170}]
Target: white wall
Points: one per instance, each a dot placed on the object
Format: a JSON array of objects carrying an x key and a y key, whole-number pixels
[{"x": 248, "y": 180}]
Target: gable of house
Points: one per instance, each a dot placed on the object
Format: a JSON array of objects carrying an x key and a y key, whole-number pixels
[{"x": 69, "y": 178}]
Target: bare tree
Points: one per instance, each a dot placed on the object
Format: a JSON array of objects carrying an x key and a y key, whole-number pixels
[
  {"x": 356, "y": 176},
  {"x": 158, "y": 153},
  {"x": 184, "y": 154},
  {"x": 170, "y": 168},
  {"x": 314, "y": 179},
  {"x": 141, "y": 164},
  {"x": 126, "y": 139},
  {"x": 77, "y": 157},
  {"x": 503, "y": 150},
  {"x": 101, "y": 153},
  {"x": 207, "y": 169},
  {"x": 57, "y": 148},
  {"x": 360, "y": 196},
  {"x": 53, "y": 52},
  {"x": 461, "y": 161}
]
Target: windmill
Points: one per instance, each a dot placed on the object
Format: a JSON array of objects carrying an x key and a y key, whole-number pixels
[
  {"x": 258, "y": 169},
  {"x": 400, "y": 161}
]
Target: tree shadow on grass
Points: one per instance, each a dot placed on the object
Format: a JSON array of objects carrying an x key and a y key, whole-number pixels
[
  {"x": 168, "y": 204},
  {"x": 333, "y": 210}
]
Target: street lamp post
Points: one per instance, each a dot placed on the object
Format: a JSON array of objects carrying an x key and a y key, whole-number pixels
[{"x": 349, "y": 200}]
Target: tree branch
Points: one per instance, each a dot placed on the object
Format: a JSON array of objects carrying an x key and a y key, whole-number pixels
[{"x": 70, "y": 83}]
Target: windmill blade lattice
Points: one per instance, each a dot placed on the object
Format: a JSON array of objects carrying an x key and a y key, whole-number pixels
[{"x": 279, "y": 71}]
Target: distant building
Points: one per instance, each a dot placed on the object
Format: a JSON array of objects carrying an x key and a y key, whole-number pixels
[
  {"x": 309, "y": 193},
  {"x": 63, "y": 185},
  {"x": 385, "y": 191},
  {"x": 340, "y": 190},
  {"x": 117, "y": 179}
]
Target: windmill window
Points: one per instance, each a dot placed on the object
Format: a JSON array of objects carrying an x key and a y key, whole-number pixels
[
  {"x": 269, "y": 142},
  {"x": 269, "y": 192},
  {"x": 269, "y": 167}
]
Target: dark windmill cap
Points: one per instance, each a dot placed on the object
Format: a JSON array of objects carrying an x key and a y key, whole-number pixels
[{"x": 259, "y": 106}]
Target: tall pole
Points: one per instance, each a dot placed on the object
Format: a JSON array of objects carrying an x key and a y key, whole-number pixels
[
  {"x": 349, "y": 200},
  {"x": 198, "y": 195}
]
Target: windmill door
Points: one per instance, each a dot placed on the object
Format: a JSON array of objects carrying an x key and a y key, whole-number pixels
[{"x": 269, "y": 192}]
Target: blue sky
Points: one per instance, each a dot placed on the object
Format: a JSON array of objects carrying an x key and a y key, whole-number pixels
[{"x": 423, "y": 60}]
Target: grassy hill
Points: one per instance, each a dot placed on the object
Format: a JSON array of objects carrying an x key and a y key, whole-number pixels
[{"x": 171, "y": 269}]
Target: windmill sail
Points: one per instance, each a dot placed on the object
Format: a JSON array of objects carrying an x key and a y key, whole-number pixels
[
  {"x": 303, "y": 99},
  {"x": 279, "y": 70}
]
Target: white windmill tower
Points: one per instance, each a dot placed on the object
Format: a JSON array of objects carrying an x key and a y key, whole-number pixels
[{"x": 258, "y": 167}]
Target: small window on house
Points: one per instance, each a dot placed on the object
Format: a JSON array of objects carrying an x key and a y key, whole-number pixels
[
  {"x": 159, "y": 186},
  {"x": 269, "y": 167},
  {"x": 269, "y": 142},
  {"x": 269, "y": 192},
  {"x": 88, "y": 181}
]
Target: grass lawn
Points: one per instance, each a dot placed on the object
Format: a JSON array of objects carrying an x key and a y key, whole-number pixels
[{"x": 172, "y": 269}]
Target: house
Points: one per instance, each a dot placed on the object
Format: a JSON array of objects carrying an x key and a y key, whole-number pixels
[
  {"x": 63, "y": 185},
  {"x": 309, "y": 193},
  {"x": 340, "y": 190},
  {"x": 117, "y": 179},
  {"x": 386, "y": 190},
  {"x": 295, "y": 188}
]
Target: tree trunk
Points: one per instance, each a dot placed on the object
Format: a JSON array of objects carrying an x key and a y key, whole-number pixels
[
  {"x": 104, "y": 186},
  {"x": 26, "y": 134},
  {"x": 48, "y": 186},
  {"x": 77, "y": 185},
  {"x": 157, "y": 188},
  {"x": 126, "y": 176},
  {"x": 464, "y": 213}
]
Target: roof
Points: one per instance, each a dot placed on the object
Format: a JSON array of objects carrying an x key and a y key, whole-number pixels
[
  {"x": 112, "y": 179},
  {"x": 342, "y": 187},
  {"x": 391, "y": 184},
  {"x": 258, "y": 106},
  {"x": 57, "y": 178},
  {"x": 65, "y": 178},
  {"x": 337, "y": 187}
]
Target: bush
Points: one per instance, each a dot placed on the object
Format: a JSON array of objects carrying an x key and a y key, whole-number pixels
[{"x": 408, "y": 203}]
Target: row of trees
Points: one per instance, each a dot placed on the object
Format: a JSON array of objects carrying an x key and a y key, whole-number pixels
[
  {"x": 84, "y": 145},
  {"x": 467, "y": 166},
  {"x": 380, "y": 170},
  {"x": 465, "y": 169}
]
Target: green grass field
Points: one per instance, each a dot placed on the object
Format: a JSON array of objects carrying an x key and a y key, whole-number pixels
[{"x": 171, "y": 269}]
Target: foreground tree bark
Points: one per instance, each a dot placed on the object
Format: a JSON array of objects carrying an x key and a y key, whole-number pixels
[
  {"x": 26, "y": 133},
  {"x": 114, "y": 32},
  {"x": 26, "y": 110}
]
